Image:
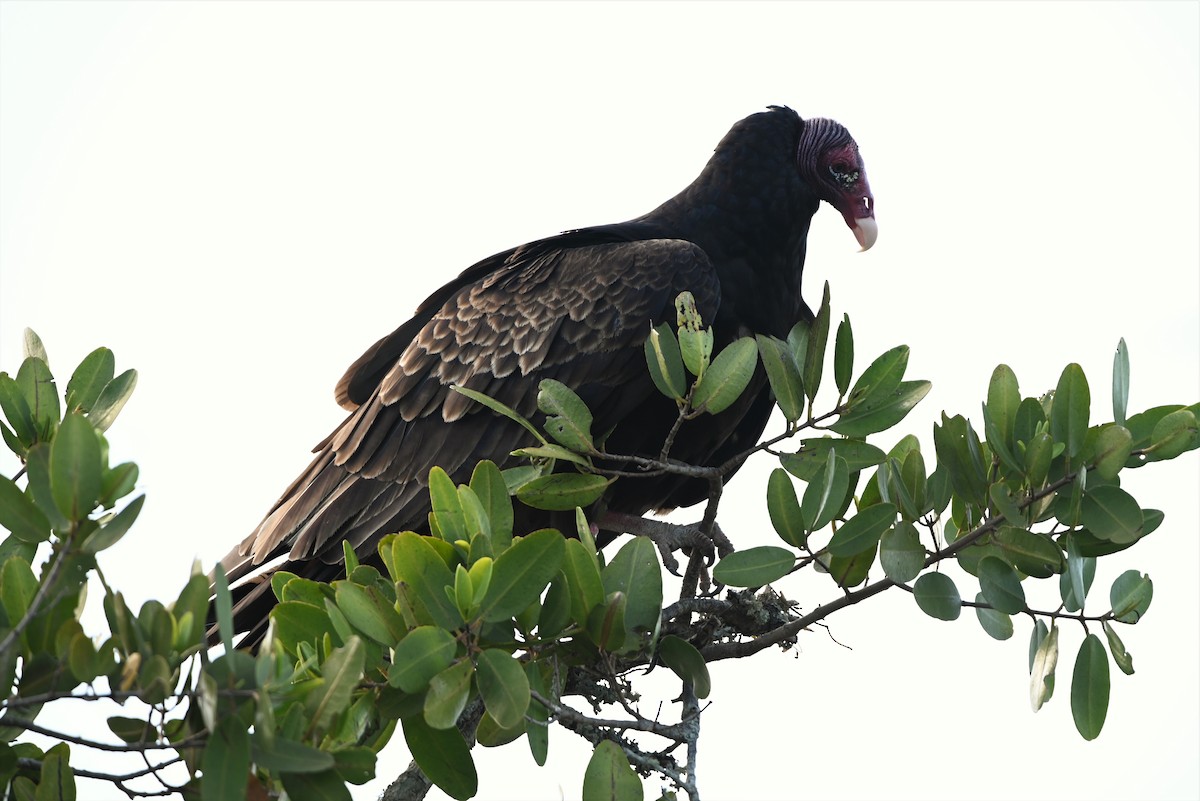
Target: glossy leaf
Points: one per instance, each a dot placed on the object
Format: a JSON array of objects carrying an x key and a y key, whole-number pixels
[
  {"x": 1000, "y": 586},
  {"x": 863, "y": 530},
  {"x": 521, "y": 573},
  {"x": 880, "y": 414},
  {"x": 289, "y": 756},
  {"x": 608, "y": 776},
  {"x": 340, "y": 674},
  {"x": 501, "y": 409},
  {"x": 1113, "y": 445},
  {"x": 226, "y": 761},
  {"x": 1120, "y": 382},
  {"x": 1172, "y": 435},
  {"x": 783, "y": 375},
  {"x": 112, "y": 531},
  {"x": 1003, "y": 400},
  {"x": 784, "y": 508},
  {"x": 996, "y": 624},
  {"x": 1130, "y": 596},
  {"x": 687, "y": 663},
  {"x": 1072, "y": 404},
  {"x": 488, "y": 483},
  {"x": 563, "y": 491},
  {"x": 813, "y": 454},
  {"x": 568, "y": 418},
  {"x": 421, "y": 575},
  {"x": 754, "y": 567},
  {"x": 824, "y": 494},
  {"x": 20, "y": 515},
  {"x": 447, "y": 695},
  {"x": 727, "y": 377},
  {"x": 1033, "y": 554},
  {"x": 843, "y": 356},
  {"x": 814, "y": 349},
  {"x": 901, "y": 554},
  {"x": 37, "y": 386},
  {"x": 1090, "y": 688},
  {"x": 665, "y": 361},
  {"x": 425, "y": 652},
  {"x": 937, "y": 596},
  {"x": 112, "y": 400},
  {"x": 16, "y": 410},
  {"x": 369, "y": 612},
  {"x": 1111, "y": 513},
  {"x": 880, "y": 379},
  {"x": 536, "y": 727},
  {"x": 635, "y": 571},
  {"x": 503, "y": 686},
  {"x": 89, "y": 379},
  {"x": 75, "y": 479},
  {"x": 583, "y": 580},
  {"x": 443, "y": 755}
]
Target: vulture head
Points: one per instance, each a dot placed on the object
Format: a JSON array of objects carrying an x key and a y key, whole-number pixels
[{"x": 828, "y": 159}]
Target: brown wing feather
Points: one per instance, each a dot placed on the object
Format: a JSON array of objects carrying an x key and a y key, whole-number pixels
[{"x": 577, "y": 314}]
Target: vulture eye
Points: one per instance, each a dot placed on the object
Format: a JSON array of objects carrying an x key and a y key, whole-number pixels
[{"x": 843, "y": 174}]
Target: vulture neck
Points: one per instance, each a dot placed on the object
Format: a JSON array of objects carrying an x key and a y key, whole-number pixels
[{"x": 750, "y": 212}]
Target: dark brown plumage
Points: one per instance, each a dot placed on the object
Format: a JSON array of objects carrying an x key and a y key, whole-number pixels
[{"x": 574, "y": 307}]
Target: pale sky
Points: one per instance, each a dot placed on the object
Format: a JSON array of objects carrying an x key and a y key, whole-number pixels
[{"x": 239, "y": 198}]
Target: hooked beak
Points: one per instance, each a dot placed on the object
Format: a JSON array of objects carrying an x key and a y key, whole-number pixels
[{"x": 866, "y": 230}]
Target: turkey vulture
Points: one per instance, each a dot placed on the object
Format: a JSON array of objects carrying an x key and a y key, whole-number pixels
[{"x": 577, "y": 308}]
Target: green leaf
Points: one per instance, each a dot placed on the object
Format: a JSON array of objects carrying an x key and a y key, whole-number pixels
[
  {"x": 784, "y": 508},
  {"x": 1033, "y": 554},
  {"x": 683, "y": 658},
  {"x": 447, "y": 509},
  {"x": 1172, "y": 435},
  {"x": 1114, "y": 443},
  {"x": 297, "y": 622},
  {"x": 1130, "y": 596},
  {"x": 443, "y": 756},
  {"x": 1003, "y": 400},
  {"x": 16, "y": 409},
  {"x": 1111, "y": 513},
  {"x": 112, "y": 400},
  {"x": 568, "y": 418},
  {"x": 503, "y": 686},
  {"x": 223, "y": 603},
  {"x": 806, "y": 463},
  {"x": 727, "y": 377},
  {"x": 608, "y": 776},
  {"x": 499, "y": 408},
  {"x": 1089, "y": 688},
  {"x": 1076, "y": 580},
  {"x": 57, "y": 780},
  {"x": 489, "y": 734},
  {"x": 937, "y": 596},
  {"x": 783, "y": 375},
  {"x": 288, "y": 756},
  {"x": 1122, "y": 657},
  {"x": 422, "y": 573},
  {"x": 111, "y": 532},
  {"x": 880, "y": 414},
  {"x": 75, "y": 466},
  {"x": 325, "y": 785},
  {"x": 900, "y": 553},
  {"x": 226, "y": 761},
  {"x": 341, "y": 673},
  {"x": 32, "y": 346},
  {"x": 17, "y": 588},
  {"x": 1069, "y": 415},
  {"x": 521, "y": 573},
  {"x": 355, "y": 764},
  {"x": 814, "y": 352},
  {"x": 89, "y": 379},
  {"x": 543, "y": 452},
  {"x": 754, "y": 567},
  {"x": 425, "y": 652},
  {"x": 488, "y": 483},
  {"x": 37, "y": 386},
  {"x": 665, "y": 361},
  {"x": 695, "y": 341},
  {"x": 20, "y": 515},
  {"x": 1000, "y": 586},
  {"x": 824, "y": 494},
  {"x": 560, "y": 492},
  {"x": 584, "y": 584},
  {"x": 880, "y": 379},
  {"x": 1045, "y": 659},
  {"x": 1120, "y": 382},
  {"x": 369, "y": 612},
  {"x": 447, "y": 695},
  {"x": 850, "y": 571},
  {"x": 998, "y": 625},
  {"x": 635, "y": 572},
  {"x": 536, "y": 727},
  {"x": 843, "y": 356},
  {"x": 863, "y": 530}
]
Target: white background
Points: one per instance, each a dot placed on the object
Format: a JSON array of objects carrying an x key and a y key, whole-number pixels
[{"x": 239, "y": 198}]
